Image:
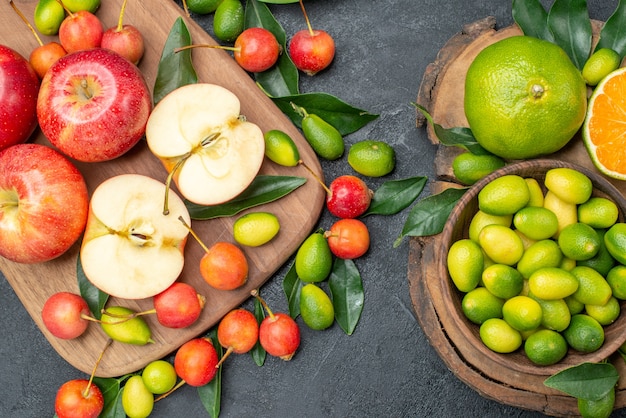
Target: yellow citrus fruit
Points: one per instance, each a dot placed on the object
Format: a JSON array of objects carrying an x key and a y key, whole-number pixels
[
  {"x": 569, "y": 185},
  {"x": 501, "y": 244},
  {"x": 255, "y": 228},
  {"x": 598, "y": 212},
  {"x": 593, "y": 289},
  {"x": 566, "y": 213},
  {"x": 605, "y": 314},
  {"x": 468, "y": 168},
  {"x": 536, "y": 222},
  {"x": 480, "y": 304},
  {"x": 503, "y": 281},
  {"x": 499, "y": 336},
  {"x": 555, "y": 314},
  {"x": 504, "y": 195},
  {"x": 545, "y": 347},
  {"x": 616, "y": 278},
  {"x": 603, "y": 128},
  {"x": 372, "y": 158},
  {"x": 579, "y": 241},
  {"x": 280, "y": 148},
  {"x": 544, "y": 253},
  {"x": 159, "y": 376},
  {"x": 600, "y": 64},
  {"x": 525, "y": 240},
  {"x": 482, "y": 219},
  {"x": 524, "y": 98},
  {"x": 551, "y": 283},
  {"x": 567, "y": 264},
  {"x": 584, "y": 333},
  {"x": 601, "y": 408},
  {"x": 602, "y": 262},
  {"x": 522, "y": 313},
  {"x": 465, "y": 264},
  {"x": 536, "y": 193},
  {"x": 615, "y": 241}
]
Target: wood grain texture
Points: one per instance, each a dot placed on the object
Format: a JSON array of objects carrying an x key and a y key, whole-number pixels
[
  {"x": 298, "y": 212},
  {"x": 441, "y": 93}
]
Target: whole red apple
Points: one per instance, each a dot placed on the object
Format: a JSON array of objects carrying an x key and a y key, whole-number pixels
[
  {"x": 43, "y": 203},
  {"x": 279, "y": 335},
  {"x": 195, "y": 361},
  {"x": 42, "y": 57},
  {"x": 78, "y": 399},
  {"x": 348, "y": 238},
  {"x": 126, "y": 40},
  {"x": 80, "y": 31},
  {"x": 349, "y": 197},
  {"x": 256, "y": 50},
  {"x": 93, "y": 105},
  {"x": 19, "y": 86},
  {"x": 178, "y": 306},
  {"x": 311, "y": 50},
  {"x": 65, "y": 315}
]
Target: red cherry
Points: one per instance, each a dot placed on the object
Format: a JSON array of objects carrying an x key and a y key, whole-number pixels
[
  {"x": 256, "y": 50},
  {"x": 195, "y": 362},
  {"x": 349, "y": 197},
  {"x": 348, "y": 238}
]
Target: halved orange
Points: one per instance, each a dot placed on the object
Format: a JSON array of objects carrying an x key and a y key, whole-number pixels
[{"x": 604, "y": 129}]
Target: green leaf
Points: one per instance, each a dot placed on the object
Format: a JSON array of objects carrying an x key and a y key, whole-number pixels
[
  {"x": 283, "y": 78},
  {"x": 395, "y": 195},
  {"x": 344, "y": 117},
  {"x": 591, "y": 381},
  {"x": 292, "y": 286},
  {"x": 95, "y": 298},
  {"x": 571, "y": 26},
  {"x": 111, "y": 389},
  {"x": 346, "y": 289},
  {"x": 429, "y": 216},
  {"x": 532, "y": 19},
  {"x": 211, "y": 393},
  {"x": 613, "y": 33},
  {"x": 263, "y": 189},
  {"x": 258, "y": 353},
  {"x": 175, "y": 68},
  {"x": 456, "y": 136}
]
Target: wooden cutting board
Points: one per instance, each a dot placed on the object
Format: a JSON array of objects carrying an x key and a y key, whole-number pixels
[
  {"x": 298, "y": 212},
  {"x": 441, "y": 93}
]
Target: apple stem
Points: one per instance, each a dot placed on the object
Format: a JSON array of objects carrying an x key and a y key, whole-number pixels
[
  {"x": 228, "y": 48},
  {"x": 228, "y": 352},
  {"x": 120, "y": 21},
  {"x": 68, "y": 11},
  {"x": 315, "y": 176},
  {"x": 178, "y": 385},
  {"x": 255, "y": 293},
  {"x": 21, "y": 15},
  {"x": 168, "y": 183},
  {"x": 95, "y": 367},
  {"x": 193, "y": 233},
  {"x": 306, "y": 18}
]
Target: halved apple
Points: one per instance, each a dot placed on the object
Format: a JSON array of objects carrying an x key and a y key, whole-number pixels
[
  {"x": 209, "y": 149},
  {"x": 131, "y": 249}
]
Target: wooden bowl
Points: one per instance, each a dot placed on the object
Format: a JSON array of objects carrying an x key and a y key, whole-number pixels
[{"x": 457, "y": 228}]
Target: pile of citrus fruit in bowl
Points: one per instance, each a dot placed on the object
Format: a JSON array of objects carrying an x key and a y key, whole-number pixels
[{"x": 533, "y": 266}]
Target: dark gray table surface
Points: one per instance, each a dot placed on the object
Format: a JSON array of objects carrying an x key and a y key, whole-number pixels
[{"x": 387, "y": 368}]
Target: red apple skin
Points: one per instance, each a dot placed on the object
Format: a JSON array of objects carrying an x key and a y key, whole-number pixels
[
  {"x": 128, "y": 42},
  {"x": 43, "y": 203},
  {"x": 311, "y": 53},
  {"x": 178, "y": 306},
  {"x": 80, "y": 31},
  {"x": 257, "y": 50},
  {"x": 103, "y": 124},
  {"x": 348, "y": 238},
  {"x": 279, "y": 335},
  {"x": 18, "y": 98},
  {"x": 238, "y": 331},
  {"x": 64, "y": 314},
  {"x": 42, "y": 57},
  {"x": 71, "y": 401},
  {"x": 349, "y": 197},
  {"x": 195, "y": 362}
]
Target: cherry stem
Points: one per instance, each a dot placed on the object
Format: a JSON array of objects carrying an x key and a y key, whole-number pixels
[
  {"x": 120, "y": 22},
  {"x": 21, "y": 15},
  {"x": 95, "y": 367},
  {"x": 319, "y": 180},
  {"x": 228, "y": 352},
  {"x": 186, "y": 9},
  {"x": 228, "y": 48},
  {"x": 68, "y": 11},
  {"x": 178, "y": 385},
  {"x": 306, "y": 18},
  {"x": 255, "y": 293},
  {"x": 193, "y": 233}
]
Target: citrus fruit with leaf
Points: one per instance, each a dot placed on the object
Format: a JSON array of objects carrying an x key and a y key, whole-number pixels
[
  {"x": 600, "y": 408},
  {"x": 603, "y": 130},
  {"x": 524, "y": 98}
]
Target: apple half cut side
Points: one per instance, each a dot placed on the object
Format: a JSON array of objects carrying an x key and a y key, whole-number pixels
[
  {"x": 131, "y": 249},
  {"x": 209, "y": 149}
]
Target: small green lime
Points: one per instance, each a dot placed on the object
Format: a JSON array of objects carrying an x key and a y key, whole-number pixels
[
  {"x": 77, "y": 5},
  {"x": 600, "y": 64},
  {"x": 616, "y": 278},
  {"x": 372, "y": 158},
  {"x": 499, "y": 336},
  {"x": 48, "y": 16},
  {"x": 316, "y": 307},
  {"x": 545, "y": 347},
  {"x": 504, "y": 195},
  {"x": 465, "y": 264},
  {"x": 203, "y": 7},
  {"x": 314, "y": 259},
  {"x": 468, "y": 168},
  {"x": 579, "y": 241},
  {"x": 584, "y": 333},
  {"x": 536, "y": 223},
  {"x": 480, "y": 304},
  {"x": 324, "y": 138},
  {"x": 159, "y": 376},
  {"x": 137, "y": 400},
  {"x": 601, "y": 408},
  {"x": 228, "y": 22},
  {"x": 280, "y": 148}
]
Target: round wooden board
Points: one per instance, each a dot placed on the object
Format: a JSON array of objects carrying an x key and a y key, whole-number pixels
[
  {"x": 441, "y": 93},
  {"x": 298, "y": 212}
]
